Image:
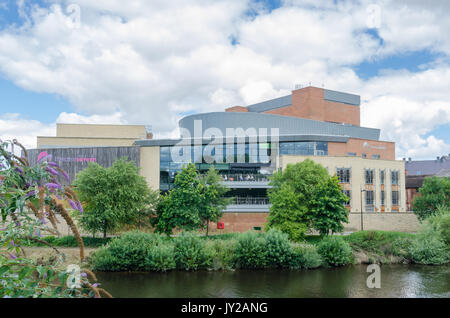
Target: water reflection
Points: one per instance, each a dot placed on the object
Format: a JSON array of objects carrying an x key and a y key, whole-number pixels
[{"x": 396, "y": 281}]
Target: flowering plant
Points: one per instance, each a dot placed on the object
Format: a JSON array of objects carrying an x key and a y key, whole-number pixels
[{"x": 30, "y": 200}]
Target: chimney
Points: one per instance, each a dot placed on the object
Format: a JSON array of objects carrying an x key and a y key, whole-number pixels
[
  {"x": 148, "y": 128},
  {"x": 404, "y": 159}
]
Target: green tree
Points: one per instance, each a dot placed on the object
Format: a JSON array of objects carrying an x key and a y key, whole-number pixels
[
  {"x": 435, "y": 192},
  {"x": 194, "y": 200},
  {"x": 304, "y": 196},
  {"x": 214, "y": 201},
  {"x": 114, "y": 196}
]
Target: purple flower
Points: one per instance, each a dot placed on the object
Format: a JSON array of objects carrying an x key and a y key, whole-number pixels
[
  {"x": 30, "y": 194},
  {"x": 66, "y": 176},
  {"x": 52, "y": 171},
  {"x": 83, "y": 274},
  {"x": 95, "y": 285},
  {"x": 53, "y": 164},
  {"x": 73, "y": 205},
  {"x": 80, "y": 207},
  {"x": 19, "y": 170},
  {"x": 52, "y": 186},
  {"x": 12, "y": 256},
  {"x": 12, "y": 243}
]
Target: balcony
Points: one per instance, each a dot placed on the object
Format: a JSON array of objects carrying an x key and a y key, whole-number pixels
[
  {"x": 248, "y": 204},
  {"x": 246, "y": 180}
]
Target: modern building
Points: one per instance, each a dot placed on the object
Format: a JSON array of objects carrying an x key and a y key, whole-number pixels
[
  {"x": 418, "y": 170},
  {"x": 248, "y": 144}
]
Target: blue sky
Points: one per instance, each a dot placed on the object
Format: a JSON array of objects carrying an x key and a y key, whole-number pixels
[{"x": 396, "y": 57}]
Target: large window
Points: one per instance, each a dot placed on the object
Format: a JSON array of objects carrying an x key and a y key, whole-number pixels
[
  {"x": 349, "y": 195},
  {"x": 382, "y": 175},
  {"x": 394, "y": 177},
  {"x": 382, "y": 197},
  {"x": 369, "y": 176},
  {"x": 370, "y": 200},
  {"x": 395, "y": 197},
  {"x": 309, "y": 148},
  {"x": 343, "y": 174}
]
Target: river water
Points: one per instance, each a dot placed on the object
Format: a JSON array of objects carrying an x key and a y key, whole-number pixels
[{"x": 350, "y": 281}]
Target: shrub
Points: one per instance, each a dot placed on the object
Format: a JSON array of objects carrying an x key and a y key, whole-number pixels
[
  {"x": 250, "y": 251},
  {"x": 126, "y": 253},
  {"x": 429, "y": 249},
  {"x": 335, "y": 251},
  {"x": 278, "y": 249},
  {"x": 375, "y": 241},
  {"x": 190, "y": 253},
  {"x": 161, "y": 258},
  {"x": 222, "y": 252},
  {"x": 401, "y": 246},
  {"x": 305, "y": 256}
]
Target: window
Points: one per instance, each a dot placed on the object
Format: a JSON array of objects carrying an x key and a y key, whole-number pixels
[
  {"x": 369, "y": 198},
  {"x": 394, "y": 197},
  {"x": 349, "y": 195},
  {"x": 382, "y": 176},
  {"x": 364, "y": 155},
  {"x": 351, "y": 154},
  {"x": 369, "y": 176},
  {"x": 343, "y": 174},
  {"x": 382, "y": 197},
  {"x": 394, "y": 177},
  {"x": 375, "y": 156}
]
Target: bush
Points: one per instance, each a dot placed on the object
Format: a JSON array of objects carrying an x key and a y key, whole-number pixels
[
  {"x": 305, "y": 256},
  {"x": 401, "y": 246},
  {"x": 250, "y": 251},
  {"x": 430, "y": 250},
  {"x": 161, "y": 258},
  {"x": 335, "y": 251},
  {"x": 379, "y": 242},
  {"x": 127, "y": 253},
  {"x": 222, "y": 253},
  {"x": 190, "y": 253},
  {"x": 278, "y": 249}
]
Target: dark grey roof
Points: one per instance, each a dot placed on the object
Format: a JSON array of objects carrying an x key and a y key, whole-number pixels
[
  {"x": 341, "y": 97},
  {"x": 427, "y": 167},
  {"x": 286, "y": 125},
  {"x": 270, "y": 104},
  {"x": 443, "y": 173}
]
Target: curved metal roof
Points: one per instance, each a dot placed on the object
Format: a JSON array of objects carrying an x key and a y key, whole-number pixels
[{"x": 286, "y": 125}]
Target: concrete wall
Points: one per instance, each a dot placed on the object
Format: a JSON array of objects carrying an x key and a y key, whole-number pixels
[
  {"x": 149, "y": 166},
  {"x": 104, "y": 131},
  {"x": 357, "y": 182}
]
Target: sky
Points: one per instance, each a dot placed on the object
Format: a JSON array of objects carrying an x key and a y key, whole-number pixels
[{"x": 154, "y": 61}]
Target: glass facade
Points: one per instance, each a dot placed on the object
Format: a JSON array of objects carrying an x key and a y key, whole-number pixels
[
  {"x": 309, "y": 148},
  {"x": 252, "y": 159}
]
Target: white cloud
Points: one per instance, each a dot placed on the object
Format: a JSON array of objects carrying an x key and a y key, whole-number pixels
[{"x": 150, "y": 62}]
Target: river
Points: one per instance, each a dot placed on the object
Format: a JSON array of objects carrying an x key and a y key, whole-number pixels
[{"x": 350, "y": 281}]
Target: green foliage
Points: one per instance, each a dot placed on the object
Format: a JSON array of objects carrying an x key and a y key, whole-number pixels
[
  {"x": 194, "y": 200},
  {"x": 190, "y": 253},
  {"x": 401, "y": 247},
  {"x": 127, "y": 253},
  {"x": 305, "y": 256},
  {"x": 278, "y": 249},
  {"x": 250, "y": 251},
  {"x": 114, "y": 196},
  {"x": 430, "y": 250},
  {"x": 335, "y": 251},
  {"x": 70, "y": 241},
  {"x": 222, "y": 252},
  {"x": 434, "y": 193},
  {"x": 439, "y": 223},
  {"x": 379, "y": 242},
  {"x": 304, "y": 196},
  {"x": 161, "y": 258}
]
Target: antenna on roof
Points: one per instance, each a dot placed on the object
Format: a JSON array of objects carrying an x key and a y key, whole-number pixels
[{"x": 298, "y": 86}]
